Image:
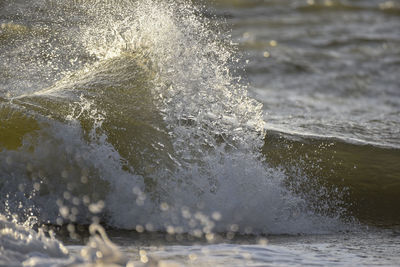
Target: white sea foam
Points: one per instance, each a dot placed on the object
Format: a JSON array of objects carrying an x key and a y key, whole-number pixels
[
  {"x": 215, "y": 129},
  {"x": 193, "y": 80},
  {"x": 22, "y": 246},
  {"x": 219, "y": 181},
  {"x": 72, "y": 171}
]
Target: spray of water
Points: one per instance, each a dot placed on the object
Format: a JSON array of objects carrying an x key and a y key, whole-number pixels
[{"x": 155, "y": 129}]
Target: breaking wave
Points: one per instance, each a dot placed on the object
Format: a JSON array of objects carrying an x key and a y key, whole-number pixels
[{"x": 132, "y": 114}]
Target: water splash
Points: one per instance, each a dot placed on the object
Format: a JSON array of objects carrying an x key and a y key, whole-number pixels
[{"x": 154, "y": 118}]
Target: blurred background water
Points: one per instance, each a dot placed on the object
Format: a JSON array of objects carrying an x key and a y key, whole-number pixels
[
  {"x": 325, "y": 68},
  {"x": 327, "y": 75}
]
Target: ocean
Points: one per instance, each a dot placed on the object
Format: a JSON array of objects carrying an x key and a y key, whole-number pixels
[{"x": 199, "y": 133}]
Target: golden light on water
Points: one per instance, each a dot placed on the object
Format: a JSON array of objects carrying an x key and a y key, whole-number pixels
[
  {"x": 263, "y": 241},
  {"x": 143, "y": 256},
  {"x": 273, "y": 43},
  {"x": 170, "y": 230},
  {"x": 164, "y": 206},
  {"x": 129, "y": 199},
  {"x": 192, "y": 257},
  {"x": 386, "y": 5},
  {"x": 216, "y": 216},
  {"x": 139, "y": 228},
  {"x": 210, "y": 237}
]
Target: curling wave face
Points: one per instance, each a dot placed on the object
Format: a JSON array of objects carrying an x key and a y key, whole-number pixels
[{"x": 130, "y": 113}]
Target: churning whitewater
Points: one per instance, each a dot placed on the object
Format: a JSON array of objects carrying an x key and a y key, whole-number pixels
[
  {"x": 139, "y": 108},
  {"x": 131, "y": 114}
]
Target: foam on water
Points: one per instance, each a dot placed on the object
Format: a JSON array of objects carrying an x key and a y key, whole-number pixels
[
  {"x": 208, "y": 174},
  {"x": 145, "y": 126},
  {"x": 22, "y": 246}
]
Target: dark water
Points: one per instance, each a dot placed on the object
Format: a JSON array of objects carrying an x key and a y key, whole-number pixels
[
  {"x": 326, "y": 72},
  {"x": 330, "y": 67},
  {"x": 223, "y": 118}
]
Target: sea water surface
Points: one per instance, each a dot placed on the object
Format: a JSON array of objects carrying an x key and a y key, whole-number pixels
[{"x": 205, "y": 133}]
